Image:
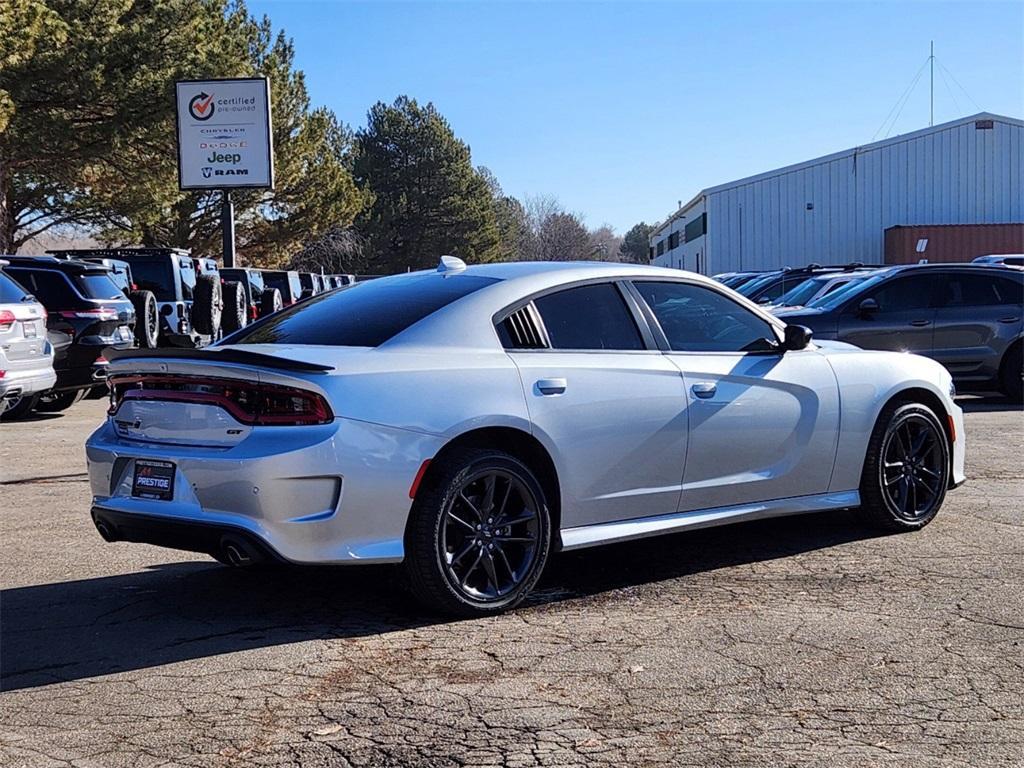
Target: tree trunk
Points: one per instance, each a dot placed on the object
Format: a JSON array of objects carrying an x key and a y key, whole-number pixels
[{"x": 7, "y": 222}]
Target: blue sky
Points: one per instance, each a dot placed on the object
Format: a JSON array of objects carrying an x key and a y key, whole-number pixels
[{"x": 621, "y": 109}]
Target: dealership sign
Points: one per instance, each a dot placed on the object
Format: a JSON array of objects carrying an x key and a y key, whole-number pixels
[{"x": 224, "y": 134}]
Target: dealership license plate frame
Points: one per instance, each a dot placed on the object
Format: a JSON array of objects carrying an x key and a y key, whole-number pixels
[{"x": 158, "y": 479}]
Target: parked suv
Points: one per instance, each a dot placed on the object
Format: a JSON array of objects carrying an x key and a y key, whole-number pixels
[
  {"x": 147, "y": 317},
  {"x": 969, "y": 317},
  {"x": 86, "y": 315},
  {"x": 189, "y": 303},
  {"x": 26, "y": 357},
  {"x": 287, "y": 282},
  {"x": 260, "y": 299},
  {"x": 312, "y": 284},
  {"x": 770, "y": 286}
]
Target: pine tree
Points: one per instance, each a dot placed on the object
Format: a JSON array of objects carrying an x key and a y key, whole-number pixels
[{"x": 428, "y": 199}]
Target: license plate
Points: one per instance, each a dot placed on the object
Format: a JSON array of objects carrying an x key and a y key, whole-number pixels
[
  {"x": 124, "y": 333},
  {"x": 153, "y": 480},
  {"x": 30, "y": 329}
]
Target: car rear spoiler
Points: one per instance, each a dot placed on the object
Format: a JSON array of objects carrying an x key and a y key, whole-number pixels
[{"x": 214, "y": 354}]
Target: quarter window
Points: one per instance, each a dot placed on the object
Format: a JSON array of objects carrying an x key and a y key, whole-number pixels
[
  {"x": 698, "y": 319},
  {"x": 979, "y": 291},
  {"x": 589, "y": 317}
]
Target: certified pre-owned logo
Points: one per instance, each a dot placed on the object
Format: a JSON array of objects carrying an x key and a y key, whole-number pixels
[{"x": 201, "y": 106}]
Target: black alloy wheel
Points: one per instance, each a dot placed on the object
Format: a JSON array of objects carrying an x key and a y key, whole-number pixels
[
  {"x": 489, "y": 535},
  {"x": 906, "y": 472},
  {"x": 479, "y": 534}
]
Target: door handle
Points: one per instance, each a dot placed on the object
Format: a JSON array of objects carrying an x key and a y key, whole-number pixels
[
  {"x": 920, "y": 323},
  {"x": 704, "y": 389},
  {"x": 1009, "y": 319},
  {"x": 551, "y": 386}
]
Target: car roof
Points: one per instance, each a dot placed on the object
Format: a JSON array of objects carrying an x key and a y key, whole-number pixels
[
  {"x": 49, "y": 262},
  {"x": 988, "y": 267}
]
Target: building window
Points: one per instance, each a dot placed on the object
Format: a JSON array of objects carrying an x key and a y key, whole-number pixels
[
  {"x": 650, "y": 253},
  {"x": 696, "y": 228},
  {"x": 673, "y": 240},
  {"x": 661, "y": 247}
]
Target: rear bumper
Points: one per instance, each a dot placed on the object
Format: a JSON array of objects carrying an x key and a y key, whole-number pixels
[
  {"x": 335, "y": 493},
  {"x": 28, "y": 382},
  {"x": 191, "y": 536}
]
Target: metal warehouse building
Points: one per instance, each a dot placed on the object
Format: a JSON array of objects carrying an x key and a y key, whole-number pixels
[{"x": 836, "y": 209}]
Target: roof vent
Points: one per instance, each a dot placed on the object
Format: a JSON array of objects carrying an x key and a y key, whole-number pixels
[{"x": 451, "y": 265}]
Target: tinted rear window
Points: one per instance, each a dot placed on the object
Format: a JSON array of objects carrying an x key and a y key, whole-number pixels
[
  {"x": 365, "y": 315},
  {"x": 97, "y": 285},
  {"x": 10, "y": 291},
  {"x": 155, "y": 276}
]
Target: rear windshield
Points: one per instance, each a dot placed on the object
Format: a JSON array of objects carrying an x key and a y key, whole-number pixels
[
  {"x": 155, "y": 276},
  {"x": 10, "y": 291},
  {"x": 97, "y": 285},
  {"x": 365, "y": 315},
  {"x": 280, "y": 281}
]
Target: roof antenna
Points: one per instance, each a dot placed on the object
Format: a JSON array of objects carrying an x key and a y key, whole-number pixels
[{"x": 451, "y": 265}]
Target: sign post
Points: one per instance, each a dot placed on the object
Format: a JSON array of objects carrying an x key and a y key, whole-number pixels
[{"x": 225, "y": 141}]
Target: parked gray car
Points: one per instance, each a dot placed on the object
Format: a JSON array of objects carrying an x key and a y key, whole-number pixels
[
  {"x": 26, "y": 357},
  {"x": 969, "y": 317}
]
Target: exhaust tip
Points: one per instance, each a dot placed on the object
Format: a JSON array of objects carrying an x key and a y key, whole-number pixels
[
  {"x": 106, "y": 531},
  {"x": 236, "y": 554}
]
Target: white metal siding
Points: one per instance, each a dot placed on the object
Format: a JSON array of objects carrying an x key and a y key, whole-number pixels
[{"x": 951, "y": 174}]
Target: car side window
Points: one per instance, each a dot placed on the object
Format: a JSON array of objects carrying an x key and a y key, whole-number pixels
[
  {"x": 979, "y": 291},
  {"x": 589, "y": 317},
  {"x": 903, "y": 293},
  {"x": 699, "y": 319},
  {"x": 49, "y": 286}
]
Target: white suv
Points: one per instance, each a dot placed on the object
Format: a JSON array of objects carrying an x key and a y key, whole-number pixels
[{"x": 26, "y": 357}]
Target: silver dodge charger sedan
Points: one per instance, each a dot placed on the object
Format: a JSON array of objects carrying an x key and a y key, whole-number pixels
[{"x": 468, "y": 422}]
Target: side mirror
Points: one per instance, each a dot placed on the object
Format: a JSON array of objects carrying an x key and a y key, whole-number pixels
[
  {"x": 763, "y": 300},
  {"x": 797, "y": 338},
  {"x": 867, "y": 307}
]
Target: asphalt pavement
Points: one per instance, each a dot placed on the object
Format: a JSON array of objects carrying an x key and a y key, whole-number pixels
[{"x": 804, "y": 641}]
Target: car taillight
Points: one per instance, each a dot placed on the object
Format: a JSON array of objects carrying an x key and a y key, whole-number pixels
[
  {"x": 253, "y": 314},
  {"x": 89, "y": 314},
  {"x": 101, "y": 360},
  {"x": 6, "y": 319},
  {"x": 249, "y": 403}
]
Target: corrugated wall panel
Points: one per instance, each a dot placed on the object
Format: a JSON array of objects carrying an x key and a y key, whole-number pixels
[{"x": 955, "y": 175}]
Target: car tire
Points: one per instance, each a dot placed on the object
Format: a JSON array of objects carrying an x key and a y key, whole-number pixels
[
  {"x": 207, "y": 305},
  {"x": 97, "y": 393},
  {"x": 17, "y": 408},
  {"x": 906, "y": 470},
  {"x": 270, "y": 302},
  {"x": 147, "y": 318},
  {"x": 1011, "y": 373},
  {"x": 236, "y": 310},
  {"x": 53, "y": 402},
  {"x": 479, "y": 534}
]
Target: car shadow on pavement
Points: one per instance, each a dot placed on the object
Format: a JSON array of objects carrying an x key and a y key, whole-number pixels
[{"x": 190, "y": 610}]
